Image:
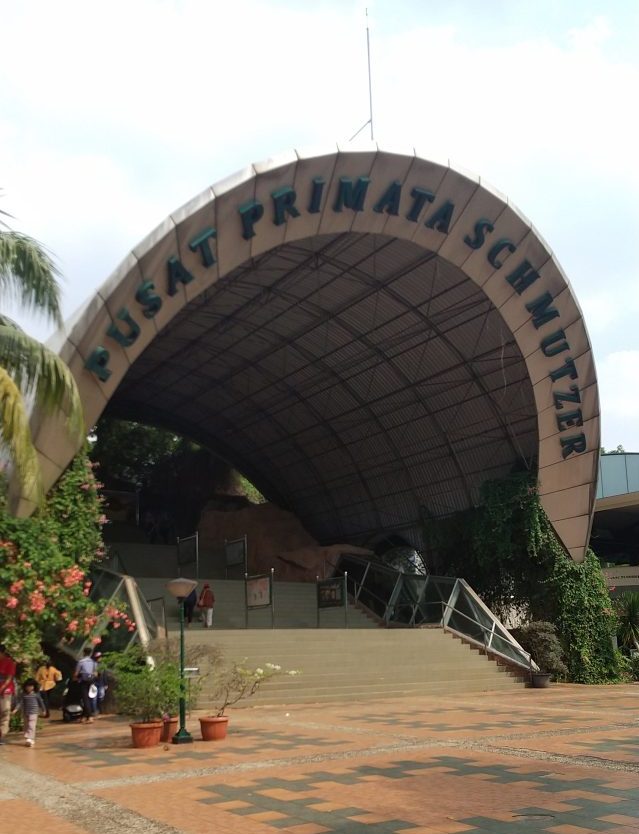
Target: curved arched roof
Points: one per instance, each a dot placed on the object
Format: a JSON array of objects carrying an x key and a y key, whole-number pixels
[{"x": 368, "y": 336}]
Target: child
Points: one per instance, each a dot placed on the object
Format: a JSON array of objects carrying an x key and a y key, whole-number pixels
[
  {"x": 47, "y": 677},
  {"x": 32, "y": 706}
]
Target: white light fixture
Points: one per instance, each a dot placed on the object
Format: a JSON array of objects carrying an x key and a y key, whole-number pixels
[{"x": 180, "y": 587}]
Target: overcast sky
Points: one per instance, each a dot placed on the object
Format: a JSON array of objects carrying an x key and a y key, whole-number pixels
[{"x": 112, "y": 115}]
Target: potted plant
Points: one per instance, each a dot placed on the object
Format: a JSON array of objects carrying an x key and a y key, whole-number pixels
[
  {"x": 540, "y": 640},
  {"x": 145, "y": 690},
  {"x": 166, "y": 650},
  {"x": 230, "y": 684}
]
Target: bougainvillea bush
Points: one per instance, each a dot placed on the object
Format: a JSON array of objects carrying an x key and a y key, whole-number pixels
[{"x": 44, "y": 568}]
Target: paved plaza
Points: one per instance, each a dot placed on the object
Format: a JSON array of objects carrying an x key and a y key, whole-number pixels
[{"x": 564, "y": 760}]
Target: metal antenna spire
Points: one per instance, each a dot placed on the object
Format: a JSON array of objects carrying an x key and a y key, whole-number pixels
[{"x": 370, "y": 86}]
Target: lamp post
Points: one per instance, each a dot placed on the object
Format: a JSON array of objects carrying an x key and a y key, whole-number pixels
[{"x": 180, "y": 588}]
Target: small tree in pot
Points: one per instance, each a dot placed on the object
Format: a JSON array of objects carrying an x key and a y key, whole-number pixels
[
  {"x": 540, "y": 640},
  {"x": 145, "y": 690},
  {"x": 231, "y": 683}
]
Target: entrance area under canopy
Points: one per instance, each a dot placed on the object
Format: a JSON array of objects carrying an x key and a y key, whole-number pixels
[{"x": 358, "y": 380}]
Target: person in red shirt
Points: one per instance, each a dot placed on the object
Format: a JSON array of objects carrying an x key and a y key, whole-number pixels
[
  {"x": 7, "y": 690},
  {"x": 205, "y": 604}
]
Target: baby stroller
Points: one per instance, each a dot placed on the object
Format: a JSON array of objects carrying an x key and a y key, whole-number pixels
[{"x": 72, "y": 702}]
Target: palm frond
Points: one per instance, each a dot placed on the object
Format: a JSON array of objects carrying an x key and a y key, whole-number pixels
[
  {"x": 37, "y": 370},
  {"x": 628, "y": 613},
  {"x": 16, "y": 437},
  {"x": 28, "y": 274}
]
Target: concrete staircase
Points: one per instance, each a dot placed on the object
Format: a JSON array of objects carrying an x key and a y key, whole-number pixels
[
  {"x": 295, "y": 606},
  {"x": 336, "y": 663},
  {"x": 357, "y": 664}
]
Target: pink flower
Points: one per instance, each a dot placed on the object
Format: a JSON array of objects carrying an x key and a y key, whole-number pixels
[
  {"x": 71, "y": 576},
  {"x": 96, "y": 641},
  {"x": 17, "y": 586},
  {"x": 37, "y": 602},
  {"x": 12, "y": 602},
  {"x": 73, "y": 625}
]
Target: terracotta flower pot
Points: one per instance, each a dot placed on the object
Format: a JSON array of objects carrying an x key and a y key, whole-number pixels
[
  {"x": 169, "y": 728},
  {"x": 146, "y": 734},
  {"x": 213, "y": 727}
]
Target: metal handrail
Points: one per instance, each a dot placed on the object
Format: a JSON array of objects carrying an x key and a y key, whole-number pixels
[
  {"x": 163, "y": 603},
  {"x": 485, "y": 645},
  {"x": 393, "y": 605}
]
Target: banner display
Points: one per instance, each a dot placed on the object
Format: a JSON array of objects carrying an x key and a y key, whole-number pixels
[
  {"x": 188, "y": 555},
  {"x": 330, "y": 593},
  {"x": 258, "y": 591},
  {"x": 235, "y": 552}
]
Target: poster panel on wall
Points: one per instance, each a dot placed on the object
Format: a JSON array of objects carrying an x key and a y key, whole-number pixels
[
  {"x": 258, "y": 591},
  {"x": 330, "y": 593}
]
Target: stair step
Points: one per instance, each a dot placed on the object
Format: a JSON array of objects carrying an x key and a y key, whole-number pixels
[{"x": 360, "y": 662}]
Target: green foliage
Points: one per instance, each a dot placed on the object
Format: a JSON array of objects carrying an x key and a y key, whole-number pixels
[
  {"x": 250, "y": 491},
  {"x": 44, "y": 562},
  {"x": 539, "y": 639},
  {"x": 627, "y": 607},
  {"x": 633, "y": 667},
  {"x": 143, "y": 691},
  {"x": 499, "y": 548},
  {"x": 585, "y": 619},
  {"x": 15, "y": 722},
  {"x": 27, "y": 368},
  {"x": 128, "y": 451},
  {"x": 507, "y": 550}
]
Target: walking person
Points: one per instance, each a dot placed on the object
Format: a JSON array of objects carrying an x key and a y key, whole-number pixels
[
  {"x": 47, "y": 677},
  {"x": 7, "y": 690},
  {"x": 86, "y": 672},
  {"x": 32, "y": 705},
  {"x": 189, "y": 606},
  {"x": 101, "y": 684},
  {"x": 205, "y": 604}
]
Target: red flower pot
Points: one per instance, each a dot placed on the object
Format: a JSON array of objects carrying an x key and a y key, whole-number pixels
[
  {"x": 147, "y": 734},
  {"x": 169, "y": 728},
  {"x": 213, "y": 727}
]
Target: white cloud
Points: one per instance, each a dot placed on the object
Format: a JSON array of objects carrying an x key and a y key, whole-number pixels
[
  {"x": 111, "y": 117},
  {"x": 618, "y": 375}
]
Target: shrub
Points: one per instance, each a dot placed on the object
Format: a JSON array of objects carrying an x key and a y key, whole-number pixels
[
  {"x": 627, "y": 607},
  {"x": 144, "y": 689},
  {"x": 540, "y": 640}
]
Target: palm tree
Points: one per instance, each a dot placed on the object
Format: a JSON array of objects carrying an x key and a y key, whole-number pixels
[
  {"x": 628, "y": 613},
  {"x": 29, "y": 372}
]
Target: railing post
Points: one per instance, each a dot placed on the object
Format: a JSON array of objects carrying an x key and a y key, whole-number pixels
[
  {"x": 390, "y": 605},
  {"x": 492, "y": 634},
  {"x": 273, "y": 598},
  {"x": 361, "y": 584},
  {"x": 345, "y": 599},
  {"x": 450, "y": 605},
  {"x": 416, "y": 605},
  {"x": 246, "y": 600}
]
